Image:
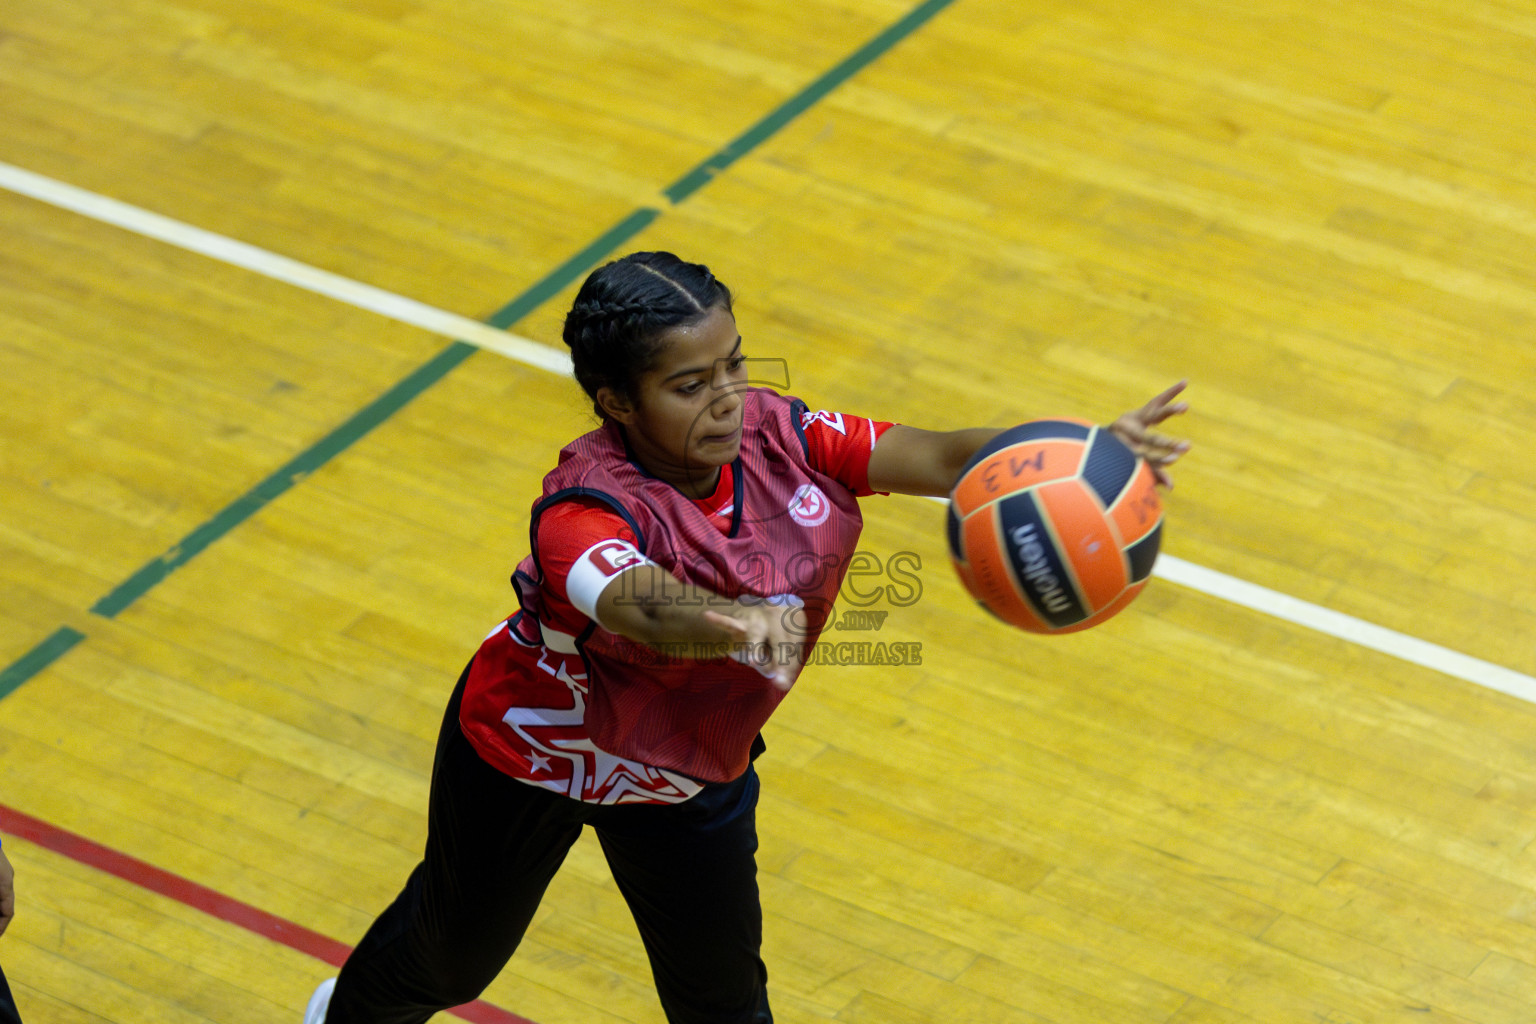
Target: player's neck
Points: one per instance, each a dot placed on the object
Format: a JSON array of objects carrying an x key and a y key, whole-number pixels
[
  {"x": 697, "y": 482},
  {"x": 694, "y": 479}
]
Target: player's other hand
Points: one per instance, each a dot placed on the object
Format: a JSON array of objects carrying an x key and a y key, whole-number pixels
[
  {"x": 1159, "y": 450},
  {"x": 765, "y": 633}
]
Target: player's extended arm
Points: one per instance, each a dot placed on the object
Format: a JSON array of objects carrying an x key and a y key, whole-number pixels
[
  {"x": 907, "y": 460},
  {"x": 649, "y": 605}
]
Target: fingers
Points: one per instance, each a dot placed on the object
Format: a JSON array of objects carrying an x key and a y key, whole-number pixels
[
  {"x": 1165, "y": 413},
  {"x": 726, "y": 623},
  {"x": 788, "y": 664},
  {"x": 765, "y": 644},
  {"x": 1160, "y": 453},
  {"x": 782, "y": 677},
  {"x": 1163, "y": 450},
  {"x": 1135, "y": 426},
  {"x": 1169, "y": 395},
  {"x": 1163, "y": 406},
  {"x": 1158, "y": 450}
]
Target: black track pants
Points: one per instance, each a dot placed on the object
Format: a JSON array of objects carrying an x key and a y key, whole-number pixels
[
  {"x": 8, "y": 1012},
  {"x": 688, "y": 872}
]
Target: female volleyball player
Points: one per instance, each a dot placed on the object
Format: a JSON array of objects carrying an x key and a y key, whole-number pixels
[{"x": 684, "y": 557}]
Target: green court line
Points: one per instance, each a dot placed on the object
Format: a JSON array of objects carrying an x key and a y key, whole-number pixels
[
  {"x": 573, "y": 268},
  {"x": 307, "y": 461},
  {"x": 435, "y": 369},
  {"x": 802, "y": 101},
  {"x": 38, "y": 658}
]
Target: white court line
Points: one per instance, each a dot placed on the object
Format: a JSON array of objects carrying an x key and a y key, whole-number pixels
[
  {"x": 302, "y": 275},
  {"x": 1346, "y": 627},
  {"x": 1175, "y": 570},
  {"x": 1343, "y": 627}
]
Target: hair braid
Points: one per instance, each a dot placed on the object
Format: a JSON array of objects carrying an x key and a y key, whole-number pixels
[{"x": 623, "y": 308}]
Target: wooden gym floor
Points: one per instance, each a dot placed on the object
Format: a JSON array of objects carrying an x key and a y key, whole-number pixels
[{"x": 250, "y": 532}]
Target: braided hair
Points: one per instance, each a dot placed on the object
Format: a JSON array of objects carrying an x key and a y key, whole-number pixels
[{"x": 616, "y": 321}]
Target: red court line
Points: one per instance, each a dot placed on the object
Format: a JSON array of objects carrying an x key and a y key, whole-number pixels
[{"x": 147, "y": 876}]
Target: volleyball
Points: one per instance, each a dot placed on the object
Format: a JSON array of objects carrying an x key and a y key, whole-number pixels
[{"x": 1054, "y": 525}]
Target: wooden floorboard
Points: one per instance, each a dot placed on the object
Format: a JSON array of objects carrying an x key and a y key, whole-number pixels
[{"x": 1194, "y": 814}]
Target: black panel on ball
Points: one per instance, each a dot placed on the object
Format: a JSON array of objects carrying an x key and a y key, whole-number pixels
[
  {"x": 1036, "y": 565},
  {"x": 1143, "y": 553},
  {"x": 952, "y": 529},
  {"x": 1035, "y": 430},
  {"x": 1109, "y": 467}
]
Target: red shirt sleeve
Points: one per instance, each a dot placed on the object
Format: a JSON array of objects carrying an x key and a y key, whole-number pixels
[
  {"x": 840, "y": 446},
  {"x": 567, "y": 531}
]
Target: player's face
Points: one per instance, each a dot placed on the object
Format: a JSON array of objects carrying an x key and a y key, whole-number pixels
[{"x": 686, "y": 420}]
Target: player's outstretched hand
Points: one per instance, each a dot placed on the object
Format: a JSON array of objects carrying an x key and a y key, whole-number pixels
[
  {"x": 1159, "y": 450},
  {"x": 764, "y": 635}
]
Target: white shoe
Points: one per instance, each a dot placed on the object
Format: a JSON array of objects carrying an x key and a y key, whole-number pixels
[{"x": 314, "y": 1013}]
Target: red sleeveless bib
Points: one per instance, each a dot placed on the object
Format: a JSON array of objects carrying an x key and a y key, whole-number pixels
[{"x": 793, "y": 531}]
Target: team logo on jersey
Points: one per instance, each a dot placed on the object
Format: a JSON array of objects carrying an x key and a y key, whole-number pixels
[
  {"x": 809, "y": 506},
  {"x": 831, "y": 419},
  {"x": 611, "y": 556}
]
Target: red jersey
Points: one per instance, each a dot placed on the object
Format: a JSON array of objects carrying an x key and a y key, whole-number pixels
[{"x": 556, "y": 701}]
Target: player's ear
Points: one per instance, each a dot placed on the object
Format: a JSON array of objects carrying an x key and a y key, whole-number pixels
[{"x": 616, "y": 405}]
